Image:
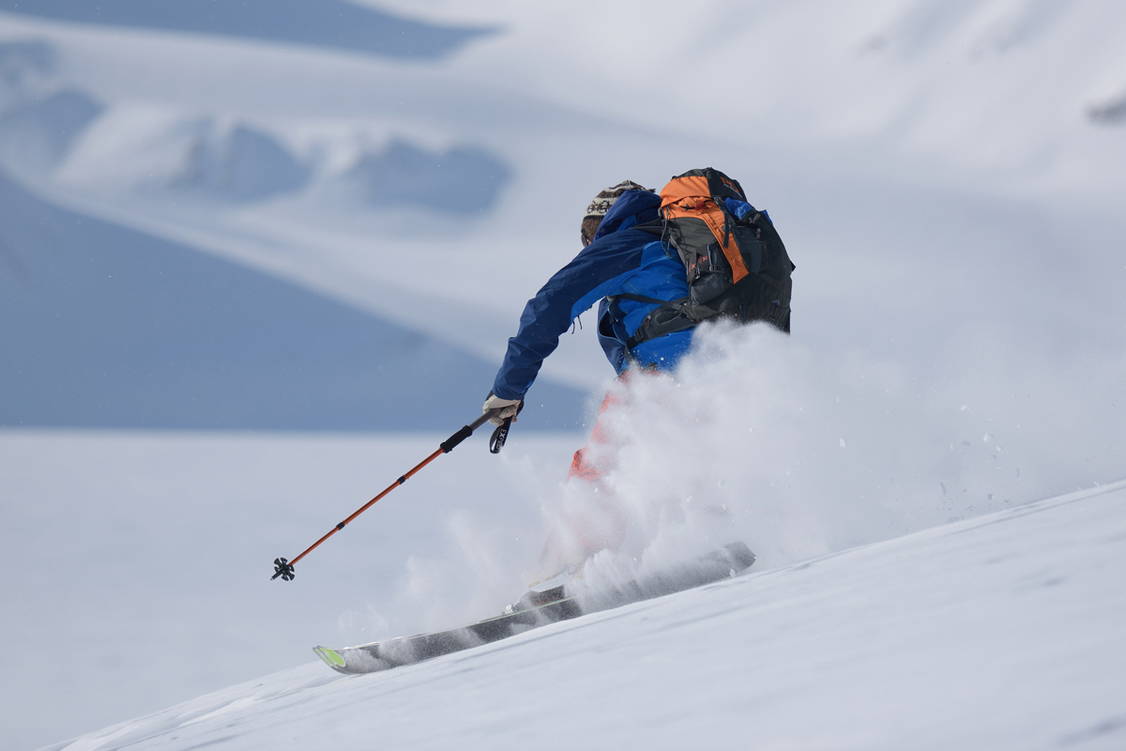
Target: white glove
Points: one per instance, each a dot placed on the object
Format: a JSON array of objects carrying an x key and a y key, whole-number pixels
[{"x": 501, "y": 409}]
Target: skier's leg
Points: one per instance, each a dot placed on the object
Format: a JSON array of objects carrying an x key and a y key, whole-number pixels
[
  {"x": 581, "y": 465},
  {"x": 587, "y": 518}
]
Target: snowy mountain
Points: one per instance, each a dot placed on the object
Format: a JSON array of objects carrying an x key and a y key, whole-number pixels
[
  {"x": 459, "y": 180},
  {"x": 883, "y": 140},
  {"x": 40, "y": 118},
  {"x": 108, "y": 327},
  {"x": 239, "y": 164}
]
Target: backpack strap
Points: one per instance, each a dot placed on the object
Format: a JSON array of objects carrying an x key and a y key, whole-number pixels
[
  {"x": 669, "y": 317},
  {"x": 657, "y": 227},
  {"x": 653, "y": 227},
  {"x": 636, "y": 298}
]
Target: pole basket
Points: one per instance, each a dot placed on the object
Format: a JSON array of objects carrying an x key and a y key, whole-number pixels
[{"x": 284, "y": 569}]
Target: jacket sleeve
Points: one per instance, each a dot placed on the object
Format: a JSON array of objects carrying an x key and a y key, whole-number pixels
[{"x": 599, "y": 270}]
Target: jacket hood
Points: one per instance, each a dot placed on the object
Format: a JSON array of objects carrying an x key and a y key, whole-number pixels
[{"x": 632, "y": 207}]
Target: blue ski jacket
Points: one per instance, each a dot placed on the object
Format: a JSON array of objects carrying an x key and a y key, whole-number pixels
[{"x": 620, "y": 260}]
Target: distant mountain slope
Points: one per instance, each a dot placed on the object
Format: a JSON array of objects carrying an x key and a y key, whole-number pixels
[
  {"x": 319, "y": 23},
  {"x": 108, "y": 327}
]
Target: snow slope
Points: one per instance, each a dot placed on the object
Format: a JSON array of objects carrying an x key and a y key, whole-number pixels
[
  {"x": 145, "y": 557},
  {"x": 1001, "y": 632},
  {"x": 153, "y": 551}
]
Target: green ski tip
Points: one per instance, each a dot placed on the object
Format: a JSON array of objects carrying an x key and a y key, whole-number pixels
[{"x": 330, "y": 657}]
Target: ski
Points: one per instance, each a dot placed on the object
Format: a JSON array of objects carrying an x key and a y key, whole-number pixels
[{"x": 535, "y": 609}]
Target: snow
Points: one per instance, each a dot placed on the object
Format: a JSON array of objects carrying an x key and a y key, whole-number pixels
[
  {"x": 948, "y": 638},
  {"x": 207, "y": 513},
  {"x": 142, "y": 561},
  {"x": 946, "y": 176}
]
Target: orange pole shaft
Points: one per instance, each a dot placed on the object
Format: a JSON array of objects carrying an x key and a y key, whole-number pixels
[
  {"x": 446, "y": 447},
  {"x": 367, "y": 505}
]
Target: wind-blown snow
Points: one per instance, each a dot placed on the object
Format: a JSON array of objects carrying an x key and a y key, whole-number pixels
[{"x": 750, "y": 441}]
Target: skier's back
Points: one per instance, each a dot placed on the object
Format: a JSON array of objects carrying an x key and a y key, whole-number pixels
[
  {"x": 660, "y": 264},
  {"x": 620, "y": 265}
]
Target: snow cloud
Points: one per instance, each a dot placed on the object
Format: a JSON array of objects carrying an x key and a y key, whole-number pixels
[
  {"x": 802, "y": 452},
  {"x": 796, "y": 449}
]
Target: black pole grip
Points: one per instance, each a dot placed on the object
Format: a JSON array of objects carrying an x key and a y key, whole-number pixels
[{"x": 451, "y": 443}]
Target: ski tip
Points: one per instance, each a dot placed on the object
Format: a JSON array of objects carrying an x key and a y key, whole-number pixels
[
  {"x": 330, "y": 657},
  {"x": 741, "y": 556}
]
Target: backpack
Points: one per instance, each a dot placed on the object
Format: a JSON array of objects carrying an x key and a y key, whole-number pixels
[{"x": 735, "y": 261}]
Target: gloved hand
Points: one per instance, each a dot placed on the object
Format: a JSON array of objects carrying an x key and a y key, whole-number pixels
[{"x": 502, "y": 409}]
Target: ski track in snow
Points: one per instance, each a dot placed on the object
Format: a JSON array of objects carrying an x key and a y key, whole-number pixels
[{"x": 1000, "y": 632}]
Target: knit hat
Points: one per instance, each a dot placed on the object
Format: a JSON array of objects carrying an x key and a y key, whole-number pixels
[{"x": 600, "y": 205}]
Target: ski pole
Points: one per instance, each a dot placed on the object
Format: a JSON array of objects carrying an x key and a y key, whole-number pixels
[{"x": 284, "y": 568}]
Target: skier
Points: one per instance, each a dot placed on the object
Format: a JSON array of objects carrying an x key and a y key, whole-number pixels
[
  {"x": 630, "y": 270},
  {"x": 660, "y": 264}
]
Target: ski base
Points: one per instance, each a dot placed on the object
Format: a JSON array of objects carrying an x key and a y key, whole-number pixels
[{"x": 532, "y": 612}]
